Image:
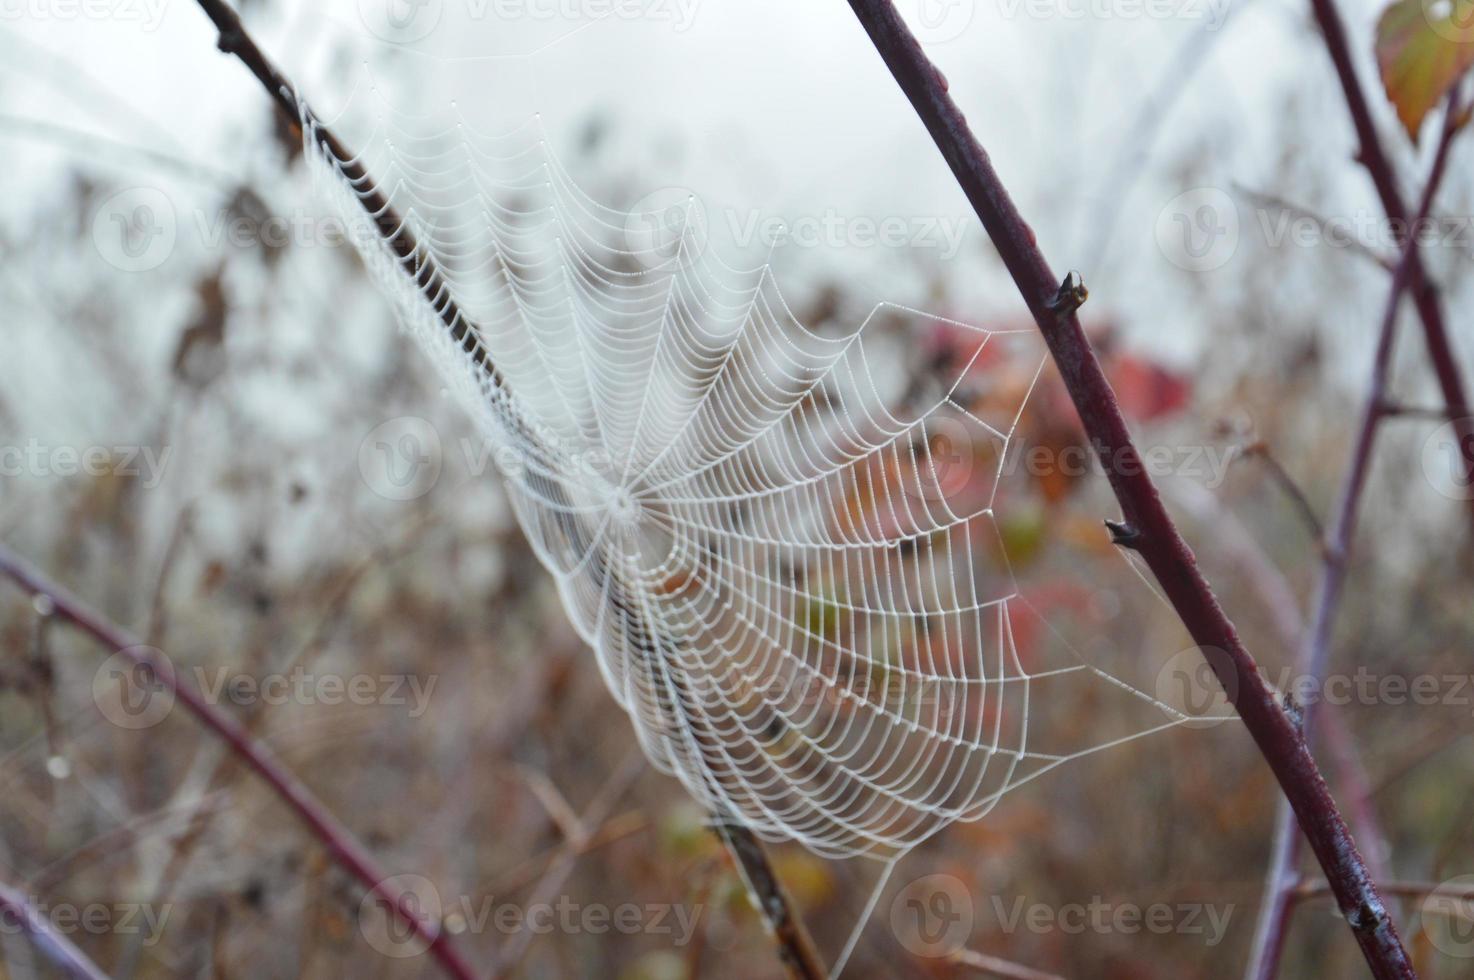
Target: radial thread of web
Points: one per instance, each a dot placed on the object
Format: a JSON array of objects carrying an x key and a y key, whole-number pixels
[{"x": 769, "y": 557}]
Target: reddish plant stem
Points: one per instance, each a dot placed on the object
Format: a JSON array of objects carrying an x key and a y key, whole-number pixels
[
  {"x": 420, "y": 266},
  {"x": 1283, "y": 879},
  {"x": 1147, "y": 527},
  {"x": 18, "y": 912},
  {"x": 337, "y": 839},
  {"x": 416, "y": 262},
  {"x": 1406, "y": 889},
  {"x": 1278, "y": 598},
  {"x": 796, "y": 948},
  {"x": 1373, "y": 156}
]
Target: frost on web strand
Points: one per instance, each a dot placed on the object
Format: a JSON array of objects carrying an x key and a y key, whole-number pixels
[{"x": 806, "y": 618}]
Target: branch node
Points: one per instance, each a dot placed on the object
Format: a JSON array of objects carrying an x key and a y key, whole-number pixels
[
  {"x": 1124, "y": 534},
  {"x": 1294, "y": 712},
  {"x": 1071, "y": 295},
  {"x": 231, "y": 40}
]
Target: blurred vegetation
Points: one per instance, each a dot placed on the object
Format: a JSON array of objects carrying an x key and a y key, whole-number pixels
[{"x": 263, "y": 549}]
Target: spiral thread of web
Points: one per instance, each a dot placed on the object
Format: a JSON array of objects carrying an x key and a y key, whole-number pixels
[{"x": 786, "y": 587}]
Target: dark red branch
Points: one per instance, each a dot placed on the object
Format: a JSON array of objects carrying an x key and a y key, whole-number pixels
[
  {"x": 416, "y": 261},
  {"x": 1373, "y": 155},
  {"x": 337, "y": 839},
  {"x": 1283, "y": 879},
  {"x": 1152, "y": 532},
  {"x": 795, "y": 948}
]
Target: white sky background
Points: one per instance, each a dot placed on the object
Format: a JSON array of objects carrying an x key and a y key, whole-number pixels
[{"x": 776, "y": 105}]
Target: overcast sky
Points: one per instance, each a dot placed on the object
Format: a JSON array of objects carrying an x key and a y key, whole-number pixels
[{"x": 770, "y": 107}]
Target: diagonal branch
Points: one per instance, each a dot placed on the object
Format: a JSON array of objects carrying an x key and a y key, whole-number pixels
[
  {"x": 339, "y": 841},
  {"x": 786, "y": 925},
  {"x": 416, "y": 261},
  {"x": 20, "y": 915},
  {"x": 1282, "y": 880},
  {"x": 795, "y": 947},
  {"x": 1373, "y": 155},
  {"x": 1147, "y": 527}
]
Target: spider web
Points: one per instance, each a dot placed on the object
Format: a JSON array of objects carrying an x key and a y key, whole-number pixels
[{"x": 782, "y": 550}]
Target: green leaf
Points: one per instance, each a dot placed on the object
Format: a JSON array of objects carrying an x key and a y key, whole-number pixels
[{"x": 1423, "y": 48}]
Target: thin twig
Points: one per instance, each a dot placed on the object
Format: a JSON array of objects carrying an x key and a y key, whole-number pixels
[
  {"x": 795, "y": 946},
  {"x": 417, "y": 262},
  {"x": 17, "y": 912},
  {"x": 337, "y": 839},
  {"x": 1392, "y": 410},
  {"x": 1264, "y": 199},
  {"x": 1130, "y": 162},
  {"x": 1146, "y": 527},
  {"x": 1265, "y": 579},
  {"x": 1260, "y": 450},
  {"x": 574, "y": 846},
  {"x": 1373, "y": 156},
  {"x": 1283, "y": 878},
  {"x": 414, "y": 259},
  {"x": 992, "y": 966},
  {"x": 158, "y": 608}
]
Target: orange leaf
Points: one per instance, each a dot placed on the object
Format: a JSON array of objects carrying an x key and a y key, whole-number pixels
[{"x": 1423, "y": 48}]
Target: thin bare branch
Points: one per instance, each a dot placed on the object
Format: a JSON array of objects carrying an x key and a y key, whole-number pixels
[
  {"x": 1283, "y": 878},
  {"x": 795, "y": 947},
  {"x": 1147, "y": 527},
  {"x": 1260, "y": 450},
  {"x": 1373, "y": 155},
  {"x": 337, "y": 839},
  {"x": 18, "y": 913},
  {"x": 992, "y": 966}
]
